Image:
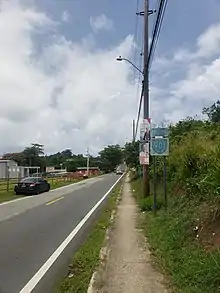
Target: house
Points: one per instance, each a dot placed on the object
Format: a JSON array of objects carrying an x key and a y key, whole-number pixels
[{"x": 10, "y": 169}]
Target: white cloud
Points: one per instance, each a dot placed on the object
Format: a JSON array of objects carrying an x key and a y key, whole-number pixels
[
  {"x": 71, "y": 95},
  {"x": 65, "y": 16},
  {"x": 207, "y": 46},
  {"x": 209, "y": 42},
  {"x": 74, "y": 95},
  {"x": 198, "y": 83},
  {"x": 101, "y": 22}
]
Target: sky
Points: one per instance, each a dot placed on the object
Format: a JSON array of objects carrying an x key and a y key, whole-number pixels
[{"x": 60, "y": 83}]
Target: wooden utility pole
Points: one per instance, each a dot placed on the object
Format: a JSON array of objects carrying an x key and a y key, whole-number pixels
[
  {"x": 146, "y": 177},
  {"x": 133, "y": 130}
]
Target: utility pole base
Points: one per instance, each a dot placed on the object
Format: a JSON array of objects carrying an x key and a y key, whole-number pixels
[{"x": 146, "y": 181}]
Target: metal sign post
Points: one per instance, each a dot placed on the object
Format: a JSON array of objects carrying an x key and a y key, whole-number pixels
[
  {"x": 159, "y": 147},
  {"x": 155, "y": 186},
  {"x": 165, "y": 180}
]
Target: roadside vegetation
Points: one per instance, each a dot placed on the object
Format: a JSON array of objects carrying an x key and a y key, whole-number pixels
[
  {"x": 185, "y": 239},
  {"x": 34, "y": 155},
  {"x": 86, "y": 259},
  {"x": 106, "y": 161}
]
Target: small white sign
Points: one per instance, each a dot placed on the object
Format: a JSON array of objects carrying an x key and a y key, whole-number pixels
[
  {"x": 145, "y": 129},
  {"x": 144, "y": 158}
]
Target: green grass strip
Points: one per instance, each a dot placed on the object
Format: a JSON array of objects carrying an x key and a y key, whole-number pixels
[{"x": 86, "y": 259}]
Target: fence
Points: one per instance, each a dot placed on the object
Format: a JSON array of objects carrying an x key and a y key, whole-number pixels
[{"x": 7, "y": 185}]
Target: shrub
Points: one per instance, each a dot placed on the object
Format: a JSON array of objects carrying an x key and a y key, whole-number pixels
[{"x": 146, "y": 204}]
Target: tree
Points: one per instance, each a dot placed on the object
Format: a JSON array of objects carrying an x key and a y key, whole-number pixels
[
  {"x": 110, "y": 157},
  {"x": 213, "y": 112},
  {"x": 183, "y": 127},
  {"x": 19, "y": 158},
  {"x": 75, "y": 161},
  {"x": 71, "y": 166},
  {"x": 131, "y": 154},
  {"x": 67, "y": 153},
  {"x": 32, "y": 155}
]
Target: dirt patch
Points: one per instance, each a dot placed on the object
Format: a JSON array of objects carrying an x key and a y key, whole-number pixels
[
  {"x": 208, "y": 229},
  {"x": 178, "y": 191},
  {"x": 209, "y": 235}
]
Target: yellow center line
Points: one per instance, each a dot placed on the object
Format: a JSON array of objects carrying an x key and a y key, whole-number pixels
[{"x": 54, "y": 200}]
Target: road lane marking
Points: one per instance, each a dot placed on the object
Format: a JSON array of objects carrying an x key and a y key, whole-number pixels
[
  {"x": 52, "y": 190},
  {"x": 32, "y": 283},
  {"x": 54, "y": 200}
]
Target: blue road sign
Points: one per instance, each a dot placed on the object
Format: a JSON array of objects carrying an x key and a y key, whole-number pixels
[
  {"x": 159, "y": 131},
  {"x": 159, "y": 147}
]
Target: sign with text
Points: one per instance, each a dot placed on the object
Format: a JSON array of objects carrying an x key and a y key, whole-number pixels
[
  {"x": 145, "y": 130},
  {"x": 144, "y": 153},
  {"x": 159, "y": 131},
  {"x": 144, "y": 159}
]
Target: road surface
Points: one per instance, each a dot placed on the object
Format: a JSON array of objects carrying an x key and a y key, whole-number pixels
[{"x": 39, "y": 234}]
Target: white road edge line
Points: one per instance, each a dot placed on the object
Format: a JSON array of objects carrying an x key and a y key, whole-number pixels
[
  {"x": 52, "y": 190},
  {"x": 28, "y": 288}
]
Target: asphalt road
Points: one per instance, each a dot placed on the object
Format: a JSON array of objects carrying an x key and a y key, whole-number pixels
[{"x": 34, "y": 230}]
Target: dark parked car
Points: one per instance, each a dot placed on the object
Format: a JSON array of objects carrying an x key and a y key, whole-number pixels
[{"x": 32, "y": 185}]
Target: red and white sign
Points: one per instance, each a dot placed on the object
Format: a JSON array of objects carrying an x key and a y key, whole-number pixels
[{"x": 144, "y": 158}]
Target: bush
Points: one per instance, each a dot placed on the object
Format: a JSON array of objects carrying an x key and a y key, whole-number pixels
[
  {"x": 194, "y": 162},
  {"x": 146, "y": 204}
]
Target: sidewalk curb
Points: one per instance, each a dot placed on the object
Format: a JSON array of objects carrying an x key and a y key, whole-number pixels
[{"x": 105, "y": 250}]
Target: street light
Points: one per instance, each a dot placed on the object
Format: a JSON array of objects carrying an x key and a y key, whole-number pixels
[{"x": 124, "y": 59}]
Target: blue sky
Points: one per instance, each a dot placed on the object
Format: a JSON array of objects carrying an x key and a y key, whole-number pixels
[
  {"x": 183, "y": 22},
  {"x": 64, "y": 63}
]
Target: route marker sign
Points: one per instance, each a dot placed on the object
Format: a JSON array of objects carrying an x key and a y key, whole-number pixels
[{"x": 159, "y": 146}]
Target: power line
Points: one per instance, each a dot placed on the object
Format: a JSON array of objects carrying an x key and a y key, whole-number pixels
[
  {"x": 136, "y": 34},
  {"x": 139, "y": 45},
  {"x": 140, "y": 65},
  {"x": 155, "y": 36},
  {"x": 157, "y": 30},
  {"x": 139, "y": 112},
  {"x": 155, "y": 18}
]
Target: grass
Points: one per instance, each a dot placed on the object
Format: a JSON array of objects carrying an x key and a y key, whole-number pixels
[
  {"x": 86, "y": 259},
  {"x": 190, "y": 267},
  {"x": 62, "y": 182},
  {"x": 9, "y": 195}
]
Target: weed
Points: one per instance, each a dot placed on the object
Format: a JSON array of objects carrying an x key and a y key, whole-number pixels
[{"x": 175, "y": 243}]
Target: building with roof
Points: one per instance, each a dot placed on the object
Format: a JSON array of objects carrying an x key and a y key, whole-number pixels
[{"x": 10, "y": 169}]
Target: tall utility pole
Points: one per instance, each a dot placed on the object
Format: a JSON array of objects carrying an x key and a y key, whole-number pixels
[
  {"x": 133, "y": 130},
  {"x": 146, "y": 177},
  {"x": 87, "y": 167}
]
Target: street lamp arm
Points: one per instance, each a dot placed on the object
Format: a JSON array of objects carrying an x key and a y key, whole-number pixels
[{"x": 125, "y": 59}]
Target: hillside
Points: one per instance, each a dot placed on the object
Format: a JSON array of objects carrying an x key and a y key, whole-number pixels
[{"x": 186, "y": 238}]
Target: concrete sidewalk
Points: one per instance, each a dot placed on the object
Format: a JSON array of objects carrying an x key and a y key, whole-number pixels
[{"x": 128, "y": 268}]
